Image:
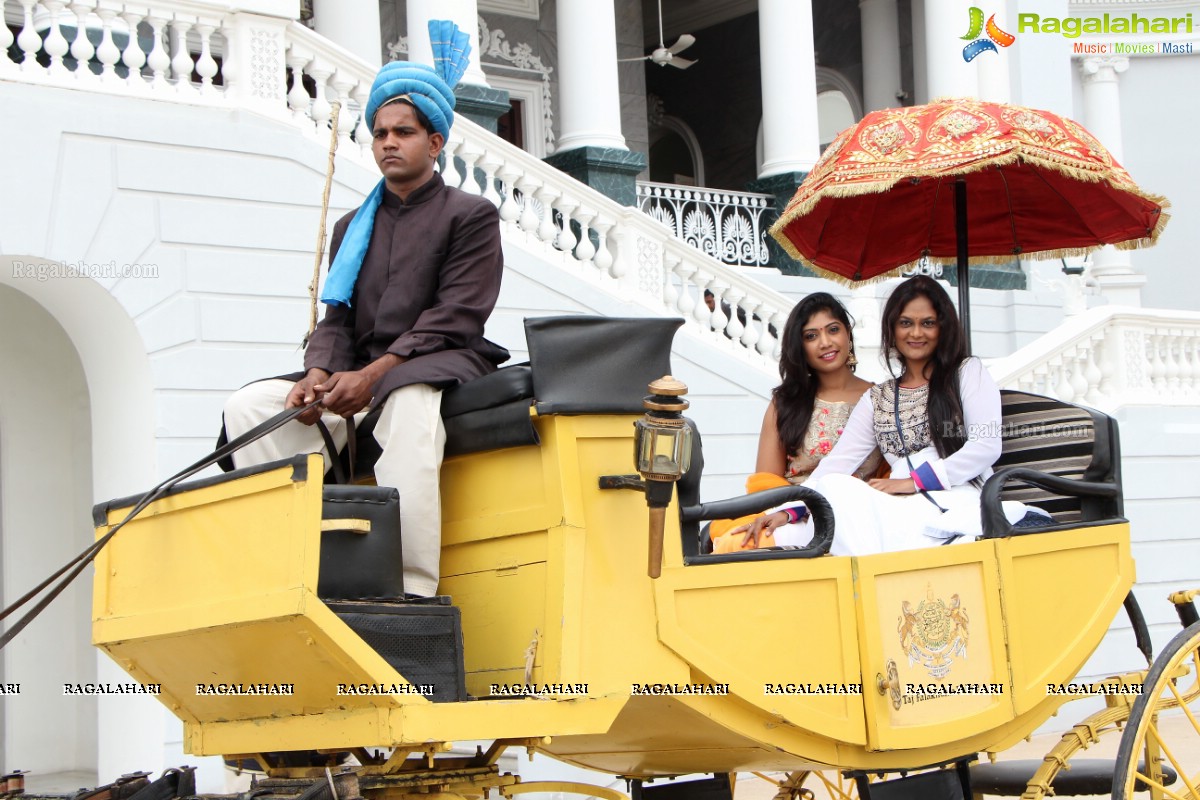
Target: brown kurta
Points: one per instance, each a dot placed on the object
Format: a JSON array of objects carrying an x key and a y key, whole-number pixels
[{"x": 428, "y": 282}]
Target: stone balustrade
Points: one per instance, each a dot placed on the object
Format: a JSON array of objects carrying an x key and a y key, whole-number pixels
[{"x": 1112, "y": 356}]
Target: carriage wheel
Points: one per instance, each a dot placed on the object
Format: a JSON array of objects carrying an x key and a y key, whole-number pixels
[{"x": 1160, "y": 748}]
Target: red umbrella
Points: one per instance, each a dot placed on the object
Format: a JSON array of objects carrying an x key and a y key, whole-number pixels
[{"x": 893, "y": 189}]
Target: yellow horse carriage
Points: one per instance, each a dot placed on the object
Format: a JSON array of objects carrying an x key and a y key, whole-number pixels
[{"x": 264, "y": 603}]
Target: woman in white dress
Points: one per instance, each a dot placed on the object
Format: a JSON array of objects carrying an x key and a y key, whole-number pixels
[{"x": 938, "y": 424}]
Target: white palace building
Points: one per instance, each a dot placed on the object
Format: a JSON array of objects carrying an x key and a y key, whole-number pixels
[{"x": 163, "y": 166}]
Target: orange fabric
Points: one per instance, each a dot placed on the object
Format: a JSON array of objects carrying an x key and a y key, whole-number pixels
[{"x": 719, "y": 529}]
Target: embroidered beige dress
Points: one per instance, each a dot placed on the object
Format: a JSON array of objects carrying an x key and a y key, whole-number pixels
[{"x": 824, "y": 429}]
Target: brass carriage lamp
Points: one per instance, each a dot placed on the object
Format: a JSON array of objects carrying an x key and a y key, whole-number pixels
[{"x": 662, "y": 444}]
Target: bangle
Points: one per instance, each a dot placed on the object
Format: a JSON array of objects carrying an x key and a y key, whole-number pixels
[{"x": 795, "y": 514}]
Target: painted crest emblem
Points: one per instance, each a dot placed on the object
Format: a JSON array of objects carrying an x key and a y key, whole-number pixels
[{"x": 934, "y": 634}]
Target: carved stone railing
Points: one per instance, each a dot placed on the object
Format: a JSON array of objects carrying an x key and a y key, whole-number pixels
[
  {"x": 207, "y": 53},
  {"x": 1112, "y": 356},
  {"x": 729, "y": 226}
]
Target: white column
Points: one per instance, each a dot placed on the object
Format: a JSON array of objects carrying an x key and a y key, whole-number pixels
[
  {"x": 946, "y": 73},
  {"x": 589, "y": 98},
  {"x": 920, "y": 73},
  {"x": 791, "y": 139},
  {"x": 881, "y": 53},
  {"x": 1111, "y": 268},
  {"x": 464, "y": 13},
  {"x": 353, "y": 24}
]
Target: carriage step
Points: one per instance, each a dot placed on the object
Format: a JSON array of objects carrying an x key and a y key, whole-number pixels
[{"x": 1083, "y": 777}]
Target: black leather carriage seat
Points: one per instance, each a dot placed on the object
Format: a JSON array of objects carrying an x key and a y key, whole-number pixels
[{"x": 1063, "y": 458}]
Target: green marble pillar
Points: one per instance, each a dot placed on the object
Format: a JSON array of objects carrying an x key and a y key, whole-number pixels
[
  {"x": 481, "y": 104},
  {"x": 612, "y": 171},
  {"x": 782, "y": 186}
]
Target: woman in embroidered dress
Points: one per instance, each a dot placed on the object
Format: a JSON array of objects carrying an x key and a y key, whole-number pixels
[
  {"x": 938, "y": 425},
  {"x": 810, "y": 406}
]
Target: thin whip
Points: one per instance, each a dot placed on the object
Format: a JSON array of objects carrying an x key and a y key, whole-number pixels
[{"x": 316, "y": 278}]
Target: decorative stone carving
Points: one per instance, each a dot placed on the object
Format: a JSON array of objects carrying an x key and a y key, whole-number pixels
[{"x": 266, "y": 57}]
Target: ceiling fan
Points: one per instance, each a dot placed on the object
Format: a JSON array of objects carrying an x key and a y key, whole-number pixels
[{"x": 664, "y": 55}]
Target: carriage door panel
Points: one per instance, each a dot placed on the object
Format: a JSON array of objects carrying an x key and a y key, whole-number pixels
[{"x": 934, "y": 660}]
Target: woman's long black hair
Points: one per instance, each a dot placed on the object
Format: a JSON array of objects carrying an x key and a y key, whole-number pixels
[
  {"x": 796, "y": 396},
  {"x": 946, "y": 424}
]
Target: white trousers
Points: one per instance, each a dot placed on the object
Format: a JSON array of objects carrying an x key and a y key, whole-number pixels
[{"x": 412, "y": 436}]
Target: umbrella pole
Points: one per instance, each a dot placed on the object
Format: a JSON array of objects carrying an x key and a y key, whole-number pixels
[{"x": 964, "y": 283}]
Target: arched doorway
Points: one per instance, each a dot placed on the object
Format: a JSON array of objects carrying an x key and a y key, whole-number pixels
[{"x": 76, "y": 425}]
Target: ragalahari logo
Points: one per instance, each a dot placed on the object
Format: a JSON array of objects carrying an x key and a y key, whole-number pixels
[{"x": 995, "y": 36}]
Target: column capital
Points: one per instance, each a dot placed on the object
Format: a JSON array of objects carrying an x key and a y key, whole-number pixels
[{"x": 1102, "y": 69}]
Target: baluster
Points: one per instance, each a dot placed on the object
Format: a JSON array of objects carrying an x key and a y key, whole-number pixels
[
  {"x": 28, "y": 39},
  {"x": 734, "y": 328},
  {"x": 547, "y": 230},
  {"x": 297, "y": 96},
  {"x": 206, "y": 66},
  {"x": 361, "y": 94},
  {"x": 585, "y": 250},
  {"x": 564, "y": 240},
  {"x": 603, "y": 259},
  {"x": 231, "y": 68},
  {"x": 1187, "y": 349},
  {"x": 1110, "y": 365},
  {"x": 342, "y": 83},
  {"x": 510, "y": 209},
  {"x": 713, "y": 319},
  {"x": 529, "y": 217},
  {"x": 1158, "y": 368},
  {"x": 489, "y": 165},
  {"x": 133, "y": 58},
  {"x": 670, "y": 294},
  {"x": 1059, "y": 385},
  {"x": 755, "y": 329},
  {"x": 1092, "y": 373},
  {"x": 159, "y": 61},
  {"x": 181, "y": 59},
  {"x": 686, "y": 301},
  {"x": 107, "y": 52},
  {"x": 450, "y": 159},
  {"x": 55, "y": 43},
  {"x": 1079, "y": 383},
  {"x": 6, "y": 41},
  {"x": 1170, "y": 344},
  {"x": 320, "y": 110},
  {"x": 779, "y": 320},
  {"x": 469, "y": 156},
  {"x": 766, "y": 342}
]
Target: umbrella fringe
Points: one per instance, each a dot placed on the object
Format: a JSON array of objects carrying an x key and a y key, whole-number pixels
[{"x": 791, "y": 212}]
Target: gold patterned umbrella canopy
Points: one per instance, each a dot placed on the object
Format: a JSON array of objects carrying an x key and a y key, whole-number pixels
[{"x": 883, "y": 195}]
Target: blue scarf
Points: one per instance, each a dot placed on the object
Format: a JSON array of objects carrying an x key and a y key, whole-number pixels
[{"x": 431, "y": 91}]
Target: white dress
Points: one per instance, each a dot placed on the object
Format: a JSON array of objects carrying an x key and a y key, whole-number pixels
[{"x": 869, "y": 521}]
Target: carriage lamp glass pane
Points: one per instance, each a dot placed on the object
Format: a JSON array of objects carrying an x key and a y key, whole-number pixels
[
  {"x": 662, "y": 451},
  {"x": 685, "y": 452}
]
